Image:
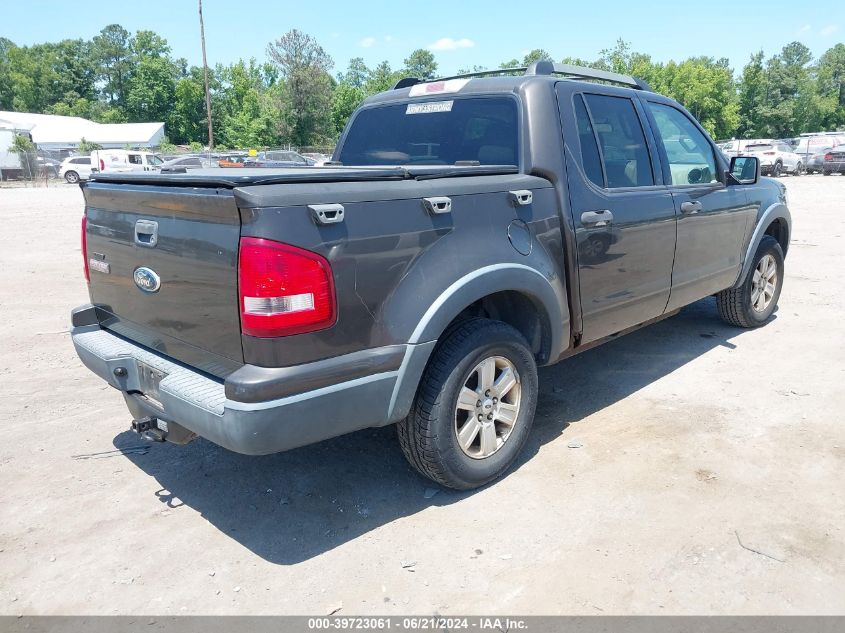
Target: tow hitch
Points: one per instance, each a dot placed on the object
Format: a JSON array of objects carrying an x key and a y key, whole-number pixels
[{"x": 147, "y": 427}]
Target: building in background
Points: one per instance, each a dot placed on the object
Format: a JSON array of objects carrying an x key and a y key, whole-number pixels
[{"x": 61, "y": 135}]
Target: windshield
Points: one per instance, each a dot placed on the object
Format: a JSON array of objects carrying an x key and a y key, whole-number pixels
[{"x": 481, "y": 130}]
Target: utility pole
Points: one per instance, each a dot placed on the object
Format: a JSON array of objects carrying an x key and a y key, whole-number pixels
[{"x": 205, "y": 75}]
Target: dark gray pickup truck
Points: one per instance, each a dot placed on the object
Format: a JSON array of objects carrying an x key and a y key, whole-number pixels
[{"x": 468, "y": 231}]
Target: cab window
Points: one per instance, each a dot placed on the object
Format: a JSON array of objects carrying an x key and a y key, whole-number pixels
[
  {"x": 620, "y": 137},
  {"x": 690, "y": 155},
  {"x": 152, "y": 159}
]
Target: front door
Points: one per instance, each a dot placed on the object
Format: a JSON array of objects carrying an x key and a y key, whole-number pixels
[
  {"x": 713, "y": 219},
  {"x": 623, "y": 214}
]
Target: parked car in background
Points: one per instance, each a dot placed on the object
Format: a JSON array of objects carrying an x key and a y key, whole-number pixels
[
  {"x": 232, "y": 161},
  {"x": 736, "y": 147},
  {"x": 811, "y": 146},
  {"x": 834, "y": 161},
  {"x": 279, "y": 158},
  {"x": 122, "y": 160},
  {"x": 815, "y": 161},
  {"x": 319, "y": 159},
  {"x": 188, "y": 162},
  {"x": 776, "y": 158},
  {"x": 75, "y": 168}
]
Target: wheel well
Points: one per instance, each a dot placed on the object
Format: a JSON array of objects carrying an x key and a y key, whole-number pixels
[
  {"x": 779, "y": 230},
  {"x": 517, "y": 310}
]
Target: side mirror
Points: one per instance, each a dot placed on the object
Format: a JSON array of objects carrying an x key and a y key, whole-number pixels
[{"x": 745, "y": 170}]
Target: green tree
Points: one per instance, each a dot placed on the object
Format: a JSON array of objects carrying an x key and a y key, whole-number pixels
[
  {"x": 345, "y": 99},
  {"x": 304, "y": 95},
  {"x": 830, "y": 87},
  {"x": 420, "y": 64},
  {"x": 356, "y": 73},
  {"x": 114, "y": 61},
  {"x": 86, "y": 147},
  {"x": 151, "y": 90},
  {"x": 381, "y": 78},
  {"x": 752, "y": 97},
  {"x": 538, "y": 54}
]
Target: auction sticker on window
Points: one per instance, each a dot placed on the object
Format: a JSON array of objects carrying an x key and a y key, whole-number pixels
[{"x": 429, "y": 107}]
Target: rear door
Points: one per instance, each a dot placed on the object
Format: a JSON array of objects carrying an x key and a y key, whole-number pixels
[
  {"x": 713, "y": 219},
  {"x": 624, "y": 216},
  {"x": 163, "y": 269}
]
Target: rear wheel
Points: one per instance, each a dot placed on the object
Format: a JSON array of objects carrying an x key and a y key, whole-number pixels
[
  {"x": 776, "y": 170},
  {"x": 751, "y": 304},
  {"x": 72, "y": 177},
  {"x": 474, "y": 406},
  {"x": 798, "y": 169}
]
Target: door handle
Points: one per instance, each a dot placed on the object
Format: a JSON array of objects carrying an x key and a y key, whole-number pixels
[
  {"x": 596, "y": 218},
  {"x": 691, "y": 207},
  {"x": 438, "y": 205},
  {"x": 146, "y": 233}
]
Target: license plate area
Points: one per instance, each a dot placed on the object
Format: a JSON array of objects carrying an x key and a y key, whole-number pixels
[{"x": 149, "y": 380}]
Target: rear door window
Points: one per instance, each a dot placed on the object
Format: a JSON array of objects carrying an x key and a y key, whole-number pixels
[
  {"x": 624, "y": 152},
  {"x": 590, "y": 157},
  {"x": 135, "y": 159},
  {"x": 481, "y": 130}
]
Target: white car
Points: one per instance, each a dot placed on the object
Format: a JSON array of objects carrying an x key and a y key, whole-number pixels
[
  {"x": 75, "y": 168},
  {"x": 776, "y": 158}
]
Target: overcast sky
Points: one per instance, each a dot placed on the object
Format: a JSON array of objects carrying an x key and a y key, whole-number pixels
[{"x": 460, "y": 33}]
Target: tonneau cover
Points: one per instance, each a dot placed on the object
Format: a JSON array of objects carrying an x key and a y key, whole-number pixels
[{"x": 231, "y": 177}]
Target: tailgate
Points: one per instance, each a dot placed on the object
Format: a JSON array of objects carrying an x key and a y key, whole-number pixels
[{"x": 167, "y": 271}]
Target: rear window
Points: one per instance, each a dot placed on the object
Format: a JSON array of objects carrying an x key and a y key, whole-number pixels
[
  {"x": 81, "y": 161},
  {"x": 444, "y": 132},
  {"x": 758, "y": 148}
]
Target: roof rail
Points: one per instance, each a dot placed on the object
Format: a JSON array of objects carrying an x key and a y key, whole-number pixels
[{"x": 544, "y": 67}]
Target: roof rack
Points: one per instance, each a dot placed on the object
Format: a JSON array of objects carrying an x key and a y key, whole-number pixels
[{"x": 543, "y": 67}]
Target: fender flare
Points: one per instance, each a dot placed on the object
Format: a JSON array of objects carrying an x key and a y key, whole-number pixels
[
  {"x": 777, "y": 211},
  {"x": 548, "y": 296}
]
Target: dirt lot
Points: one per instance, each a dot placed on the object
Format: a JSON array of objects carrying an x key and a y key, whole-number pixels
[{"x": 658, "y": 464}]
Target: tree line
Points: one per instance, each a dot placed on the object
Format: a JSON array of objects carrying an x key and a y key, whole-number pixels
[{"x": 294, "y": 96}]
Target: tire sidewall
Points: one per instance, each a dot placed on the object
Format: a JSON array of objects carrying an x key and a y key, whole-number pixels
[
  {"x": 768, "y": 246},
  {"x": 475, "y": 472},
  {"x": 71, "y": 177}
]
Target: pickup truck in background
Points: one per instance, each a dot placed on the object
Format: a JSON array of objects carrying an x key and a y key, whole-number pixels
[{"x": 467, "y": 231}]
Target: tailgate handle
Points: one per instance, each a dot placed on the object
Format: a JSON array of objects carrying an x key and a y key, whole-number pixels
[
  {"x": 326, "y": 213},
  {"x": 146, "y": 233},
  {"x": 438, "y": 205},
  {"x": 521, "y": 198}
]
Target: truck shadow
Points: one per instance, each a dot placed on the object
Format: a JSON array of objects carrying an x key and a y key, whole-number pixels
[{"x": 290, "y": 507}]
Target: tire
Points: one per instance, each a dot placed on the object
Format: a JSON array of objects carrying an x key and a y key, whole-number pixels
[
  {"x": 736, "y": 304},
  {"x": 777, "y": 168},
  {"x": 826, "y": 173},
  {"x": 429, "y": 435},
  {"x": 798, "y": 169},
  {"x": 72, "y": 177}
]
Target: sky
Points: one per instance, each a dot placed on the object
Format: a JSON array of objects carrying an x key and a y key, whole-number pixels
[{"x": 460, "y": 33}]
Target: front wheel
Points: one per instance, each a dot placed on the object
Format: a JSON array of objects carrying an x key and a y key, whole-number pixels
[
  {"x": 474, "y": 406},
  {"x": 776, "y": 170},
  {"x": 751, "y": 304},
  {"x": 72, "y": 177},
  {"x": 798, "y": 170}
]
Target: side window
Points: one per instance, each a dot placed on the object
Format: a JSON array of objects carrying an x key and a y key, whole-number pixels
[
  {"x": 621, "y": 140},
  {"x": 590, "y": 158},
  {"x": 690, "y": 155},
  {"x": 135, "y": 159}
]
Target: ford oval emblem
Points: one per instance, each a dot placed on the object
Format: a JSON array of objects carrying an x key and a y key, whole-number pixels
[{"x": 147, "y": 279}]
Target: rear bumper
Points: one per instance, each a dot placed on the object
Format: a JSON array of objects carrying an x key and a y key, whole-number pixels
[{"x": 205, "y": 405}]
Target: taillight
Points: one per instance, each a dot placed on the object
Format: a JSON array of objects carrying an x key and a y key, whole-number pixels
[
  {"x": 102, "y": 165},
  {"x": 283, "y": 289},
  {"x": 828, "y": 156},
  {"x": 85, "y": 247}
]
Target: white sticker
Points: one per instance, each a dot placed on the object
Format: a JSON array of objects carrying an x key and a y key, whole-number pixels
[{"x": 427, "y": 108}]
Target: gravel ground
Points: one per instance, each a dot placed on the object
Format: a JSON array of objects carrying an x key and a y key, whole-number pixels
[{"x": 689, "y": 467}]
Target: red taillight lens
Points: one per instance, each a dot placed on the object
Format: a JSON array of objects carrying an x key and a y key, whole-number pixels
[
  {"x": 102, "y": 165},
  {"x": 283, "y": 289},
  {"x": 828, "y": 156},
  {"x": 85, "y": 247}
]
